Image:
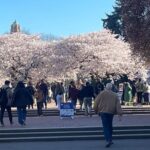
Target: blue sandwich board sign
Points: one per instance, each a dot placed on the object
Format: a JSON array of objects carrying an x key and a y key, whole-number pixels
[{"x": 66, "y": 110}]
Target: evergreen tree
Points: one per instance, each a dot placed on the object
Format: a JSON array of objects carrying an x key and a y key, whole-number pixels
[
  {"x": 113, "y": 21},
  {"x": 136, "y": 18},
  {"x": 131, "y": 19}
]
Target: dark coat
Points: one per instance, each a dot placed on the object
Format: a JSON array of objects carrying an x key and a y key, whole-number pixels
[
  {"x": 22, "y": 97},
  {"x": 88, "y": 91},
  {"x": 81, "y": 93},
  {"x": 31, "y": 90},
  {"x": 44, "y": 88},
  {"x": 73, "y": 93}
]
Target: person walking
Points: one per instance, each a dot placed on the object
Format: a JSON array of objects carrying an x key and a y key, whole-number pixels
[
  {"x": 107, "y": 104},
  {"x": 127, "y": 93},
  {"x": 6, "y": 99},
  {"x": 21, "y": 99},
  {"x": 39, "y": 100}
]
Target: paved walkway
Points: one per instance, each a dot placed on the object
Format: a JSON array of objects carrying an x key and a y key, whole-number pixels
[{"x": 78, "y": 121}]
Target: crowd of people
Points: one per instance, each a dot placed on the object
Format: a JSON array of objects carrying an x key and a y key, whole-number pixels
[
  {"x": 23, "y": 96},
  {"x": 102, "y": 93}
]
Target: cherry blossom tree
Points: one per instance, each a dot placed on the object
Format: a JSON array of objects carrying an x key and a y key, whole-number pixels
[
  {"x": 20, "y": 54},
  {"x": 27, "y": 56},
  {"x": 98, "y": 52}
]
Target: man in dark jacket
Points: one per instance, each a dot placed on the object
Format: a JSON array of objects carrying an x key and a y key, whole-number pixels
[
  {"x": 22, "y": 98},
  {"x": 88, "y": 94},
  {"x": 6, "y": 99},
  {"x": 44, "y": 89},
  {"x": 73, "y": 93},
  {"x": 31, "y": 90}
]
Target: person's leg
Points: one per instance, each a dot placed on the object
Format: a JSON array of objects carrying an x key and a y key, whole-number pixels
[
  {"x": 139, "y": 97},
  {"x": 58, "y": 104},
  {"x": 24, "y": 112},
  {"x": 2, "y": 115},
  {"x": 74, "y": 101},
  {"x": 89, "y": 104},
  {"x": 38, "y": 108},
  {"x": 146, "y": 98},
  {"x": 19, "y": 111},
  {"x": 85, "y": 106},
  {"x": 110, "y": 123},
  {"x": 9, "y": 114},
  {"x": 81, "y": 103},
  {"x": 45, "y": 101},
  {"x": 54, "y": 97},
  {"x": 107, "y": 127}
]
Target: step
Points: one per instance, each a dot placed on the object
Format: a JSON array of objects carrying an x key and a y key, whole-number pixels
[
  {"x": 72, "y": 138},
  {"x": 72, "y": 133}
]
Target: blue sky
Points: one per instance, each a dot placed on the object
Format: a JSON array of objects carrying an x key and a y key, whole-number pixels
[{"x": 57, "y": 17}]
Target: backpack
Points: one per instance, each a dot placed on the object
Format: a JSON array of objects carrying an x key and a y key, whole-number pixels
[{"x": 3, "y": 96}]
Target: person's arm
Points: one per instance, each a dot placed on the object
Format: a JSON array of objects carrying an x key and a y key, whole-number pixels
[
  {"x": 9, "y": 93},
  {"x": 96, "y": 103}
]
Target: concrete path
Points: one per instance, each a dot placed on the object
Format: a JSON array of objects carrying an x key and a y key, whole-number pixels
[
  {"x": 78, "y": 145},
  {"x": 78, "y": 121}
]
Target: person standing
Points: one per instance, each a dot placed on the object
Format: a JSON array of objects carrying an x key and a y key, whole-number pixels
[
  {"x": 139, "y": 89},
  {"x": 73, "y": 94},
  {"x": 39, "y": 100},
  {"x": 107, "y": 104},
  {"x": 31, "y": 90},
  {"x": 53, "y": 89},
  {"x": 6, "y": 99},
  {"x": 133, "y": 91},
  {"x": 127, "y": 93},
  {"x": 21, "y": 99},
  {"x": 145, "y": 93},
  {"x": 81, "y": 96},
  {"x": 88, "y": 94},
  {"x": 43, "y": 86},
  {"x": 59, "y": 89}
]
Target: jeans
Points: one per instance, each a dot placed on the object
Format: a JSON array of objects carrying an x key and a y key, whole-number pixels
[
  {"x": 9, "y": 114},
  {"x": 107, "y": 120},
  {"x": 74, "y": 102},
  {"x": 139, "y": 97},
  {"x": 87, "y": 105},
  {"x": 45, "y": 101},
  {"x": 146, "y": 97},
  {"x": 21, "y": 115}
]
